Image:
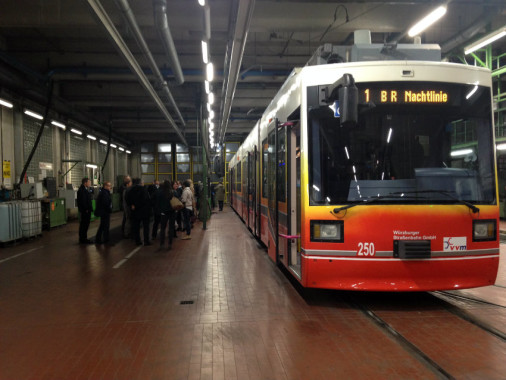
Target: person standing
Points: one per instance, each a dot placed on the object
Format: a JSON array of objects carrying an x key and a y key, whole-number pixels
[
  {"x": 85, "y": 208},
  {"x": 153, "y": 192},
  {"x": 167, "y": 213},
  {"x": 138, "y": 201},
  {"x": 103, "y": 210},
  {"x": 220, "y": 194},
  {"x": 126, "y": 226},
  {"x": 127, "y": 182},
  {"x": 187, "y": 199}
]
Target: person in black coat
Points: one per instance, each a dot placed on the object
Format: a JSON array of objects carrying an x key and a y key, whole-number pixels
[
  {"x": 103, "y": 209},
  {"x": 153, "y": 197},
  {"x": 139, "y": 203},
  {"x": 85, "y": 209},
  {"x": 165, "y": 194}
]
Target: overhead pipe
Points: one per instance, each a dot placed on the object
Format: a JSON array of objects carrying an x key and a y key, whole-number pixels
[
  {"x": 465, "y": 35},
  {"x": 162, "y": 25},
  {"x": 134, "y": 65},
  {"x": 129, "y": 16},
  {"x": 242, "y": 23}
]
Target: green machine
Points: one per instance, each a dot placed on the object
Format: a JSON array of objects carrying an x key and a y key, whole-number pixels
[{"x": 54, "y": 213}]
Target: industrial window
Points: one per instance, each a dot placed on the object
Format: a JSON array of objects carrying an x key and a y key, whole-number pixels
[{"x": 44, "y": 152}]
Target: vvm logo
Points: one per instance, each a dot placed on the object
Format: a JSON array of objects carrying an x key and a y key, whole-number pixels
[{"x": 454, "y": 244}]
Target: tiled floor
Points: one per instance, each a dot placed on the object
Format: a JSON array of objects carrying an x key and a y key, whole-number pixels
[{"x": 82, "y": 312}]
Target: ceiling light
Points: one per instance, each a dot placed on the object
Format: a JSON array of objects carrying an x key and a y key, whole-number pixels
[
  {"x": 128, "y": 152},
  {"x": 209, "y": 72},
  {"x": 427, "y": 21},
  {"x": 114, "y": 146},
  {"x": 76, "y": 131},
  {"x": 211, "y": 98},
  {"x": 211, "y": 114},
  {"x": 206, "y": 84},
  {"x": 488, "y": 39},
  {"x": 103, "y": 142},
  {"x": 501, "y": 147},
  {"x": 5, "y": 103},
  {"x": 202, "y": 2},
  {"x": 205, "y": 57},
  {"x": 59, "y": 125},
  {"x": 34, "y": 114},
  {"x": 91, "y": 137},
  {"x": 91, "y": 166},
  {"x": 461, "y": 152},
  {"x": 121, "y": 149},
  {"x": 211, "y": 126}
]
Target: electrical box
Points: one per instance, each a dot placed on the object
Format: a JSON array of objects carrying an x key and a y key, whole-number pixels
[
  {"x": 32, "y": 190},
  {"x": 70, "y": 197},
  {"x": 54, "y": 213}
]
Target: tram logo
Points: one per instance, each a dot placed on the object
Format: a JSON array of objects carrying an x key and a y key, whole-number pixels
[{"x": 454, "y": 244}]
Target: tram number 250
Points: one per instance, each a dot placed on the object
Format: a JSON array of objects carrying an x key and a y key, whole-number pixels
[{"x": 366, "y": 249}]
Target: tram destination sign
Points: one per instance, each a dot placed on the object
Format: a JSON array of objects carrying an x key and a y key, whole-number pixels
[{"x": 405, "y": 96}]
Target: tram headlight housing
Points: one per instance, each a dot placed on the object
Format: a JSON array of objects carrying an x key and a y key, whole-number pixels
[
  {"x": 327, "y": 231},
  {"x": 484, "y": 230}
]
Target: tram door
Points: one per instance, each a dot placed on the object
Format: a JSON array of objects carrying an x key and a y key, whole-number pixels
[
  {"x": 288, "y": 194},
  {"x": 272, "y": 210},
  {"x": 251, "y": 191}
]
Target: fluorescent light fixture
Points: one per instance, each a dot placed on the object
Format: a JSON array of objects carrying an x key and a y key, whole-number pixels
[
  {"x": 211, "y": 114},
  {"x": 114, "y": 146},
  {"x": 5, "y": 103},
  {"x": 91, "y": 166},
  {"x": 347, "y": 154},
  {"x": 206, "y": 85},
  {"x": 471, "y": 93},
  {"x": 208, "y": 107},
  {"x": 484, "y": 41},
  {"x": 121, "y": 149},
  {"x": 461, "y": 152},
  {"x": 210, "y": 98},
  {"x": 103, "y": 142},
  {"x": 210, "y": 120},
  {"x": 389, "y": 135},
  {"x": 209, "y": 72},
  {"x": 128, "y": 152},
  {"x": 76, "y": 131},
  {"x": 205, "y": 56},
  {"x": 501, "y": 147},
  {"x": 34, "y": 114},
  {"x": 211, "y": 127},
  {"x": 58, "y": 124},
  {"x": 427, "y": 21},
  {"x": 202, "y": 2},
  {"x": 91, "y": 137}
]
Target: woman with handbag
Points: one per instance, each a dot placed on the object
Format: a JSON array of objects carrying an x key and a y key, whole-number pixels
[
  {"x": 187, "y": 199},
  {"x": 167, "y": 212}
]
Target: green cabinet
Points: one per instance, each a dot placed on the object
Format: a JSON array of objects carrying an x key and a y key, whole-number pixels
[{"x": 54, "y": 213}]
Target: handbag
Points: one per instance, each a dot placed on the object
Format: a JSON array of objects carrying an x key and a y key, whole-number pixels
[{"x": 176, "y": 204}]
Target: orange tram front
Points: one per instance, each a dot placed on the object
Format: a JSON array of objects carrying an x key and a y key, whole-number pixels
[{"x": 403, "y": 199}]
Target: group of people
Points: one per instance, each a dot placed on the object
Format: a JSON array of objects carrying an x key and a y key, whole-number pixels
[
  {"x": 171, "y": 206},
  {"x": 139, "y": 203}
]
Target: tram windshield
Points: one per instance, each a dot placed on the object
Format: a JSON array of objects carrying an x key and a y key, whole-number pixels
[{"x": 419, "y": 142}]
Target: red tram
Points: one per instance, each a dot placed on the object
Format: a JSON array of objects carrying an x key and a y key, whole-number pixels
[{"x": 376, "y": 175}]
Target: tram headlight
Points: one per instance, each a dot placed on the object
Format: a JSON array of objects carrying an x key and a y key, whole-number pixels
[
  {"x": 484, "y": 230},
  {"x": 327, "y": 230}
]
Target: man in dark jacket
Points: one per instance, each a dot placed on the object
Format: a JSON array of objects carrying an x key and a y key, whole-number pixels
[
  {"x": 85, "y": 209},
  {"x": 103, "y": 209},
  {"x": 138, "y": 201}
]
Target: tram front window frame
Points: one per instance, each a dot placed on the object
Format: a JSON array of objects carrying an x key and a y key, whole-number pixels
[{"x": 404, "y": 153}]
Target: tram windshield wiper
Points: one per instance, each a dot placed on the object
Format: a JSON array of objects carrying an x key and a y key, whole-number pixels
[
  {"x": 396, "y": 195},
  {"x": 473, "y": 208}
]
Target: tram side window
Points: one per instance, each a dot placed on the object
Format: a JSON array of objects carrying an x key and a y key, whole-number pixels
[
  {"x": 265, "y": 155},
  {"x": 239, "y": 177}
]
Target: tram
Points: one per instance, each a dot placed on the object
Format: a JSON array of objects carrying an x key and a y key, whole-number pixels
[{"x": 375, "y": 173}]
